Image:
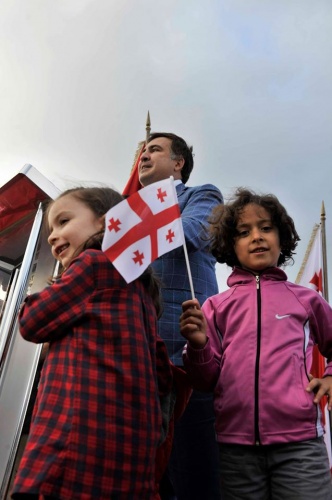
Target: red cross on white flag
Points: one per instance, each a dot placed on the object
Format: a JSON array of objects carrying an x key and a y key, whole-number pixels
[{"x": 142, "y": 228}]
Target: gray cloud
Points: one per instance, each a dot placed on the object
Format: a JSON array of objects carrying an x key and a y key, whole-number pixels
[{"x": 247, "y": 83}]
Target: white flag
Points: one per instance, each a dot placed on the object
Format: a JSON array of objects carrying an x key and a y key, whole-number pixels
[
  {"x": 311, "y": 272},
  {"x": 142, "y": 228}
]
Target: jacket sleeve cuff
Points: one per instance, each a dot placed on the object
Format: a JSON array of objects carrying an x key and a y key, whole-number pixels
[
  {"x": 328, "y": 371},
  {"x": 200, "y": 356}
]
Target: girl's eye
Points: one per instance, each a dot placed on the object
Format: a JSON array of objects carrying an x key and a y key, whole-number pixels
[
  {"x": 63, "y": 221},
  {"x": 266, "y": 228},
  {"x": 243, "y": 233}
]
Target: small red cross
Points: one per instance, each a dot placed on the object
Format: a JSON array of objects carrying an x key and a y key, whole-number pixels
[
  {"x": 169, "y": 236},
  {"x": 114, "y": 224},
  {"x": 138, "y": 259},
  {"x": 161, "y": 195}
]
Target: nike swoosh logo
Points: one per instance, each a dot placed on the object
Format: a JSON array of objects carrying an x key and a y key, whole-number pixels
[{"x": 282, "y": 317}]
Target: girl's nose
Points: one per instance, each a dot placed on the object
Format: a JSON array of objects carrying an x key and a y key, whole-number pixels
[
  {"x": 51, "y": 238},
  {"x": 256, "y": 234}
]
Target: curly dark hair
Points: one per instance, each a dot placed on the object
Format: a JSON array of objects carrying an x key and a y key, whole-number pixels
[
  {"x": 100, "y": 200},
  {"x": 179, "y": 149},
  {"x": 224, "y": 219}
]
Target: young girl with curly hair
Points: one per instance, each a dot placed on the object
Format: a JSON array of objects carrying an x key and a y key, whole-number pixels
[{"x": 252, "y": 345}]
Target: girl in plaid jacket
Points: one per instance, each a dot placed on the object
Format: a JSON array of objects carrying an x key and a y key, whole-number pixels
[{"x": 97, "y": 420}]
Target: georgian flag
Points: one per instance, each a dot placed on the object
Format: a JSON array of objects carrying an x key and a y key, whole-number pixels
[
  {"x": 311, "y": 276},
  {"x": 142, "y": 228}
]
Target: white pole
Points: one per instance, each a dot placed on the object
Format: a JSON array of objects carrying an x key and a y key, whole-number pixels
[{"x": 185, "y": 250}]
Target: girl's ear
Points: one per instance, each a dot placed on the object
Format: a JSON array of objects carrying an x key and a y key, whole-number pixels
[{"x": 101, "y": 221}]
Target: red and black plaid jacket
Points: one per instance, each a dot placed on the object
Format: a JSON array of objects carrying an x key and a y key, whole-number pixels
[{"x": 96, "y": 420}]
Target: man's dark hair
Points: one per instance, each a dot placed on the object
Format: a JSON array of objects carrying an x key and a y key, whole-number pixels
[{"x": 179, "y": 149}]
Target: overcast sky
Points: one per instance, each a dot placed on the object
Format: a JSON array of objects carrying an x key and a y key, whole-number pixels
[{"x": 247, "y": 82}]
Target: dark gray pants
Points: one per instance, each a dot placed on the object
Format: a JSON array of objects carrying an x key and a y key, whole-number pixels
[{"x": 292, "y": 471}]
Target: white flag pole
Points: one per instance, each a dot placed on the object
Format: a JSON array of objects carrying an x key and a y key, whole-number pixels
[
  {"x": 188, "y": 266},
  {"x": 328, "y": 420},
  {"x": 185, "y": 250}
]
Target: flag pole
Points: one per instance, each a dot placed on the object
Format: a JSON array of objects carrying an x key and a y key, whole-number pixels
[
  {"x": 324, "y": 252},
  {"x": 185, "y": 249},
  {"x": 133, "y": 185},
  {"x": 188, "y": 268},
  {"x": 142, "y": 143},
  {"x": 326, "y": 297}
]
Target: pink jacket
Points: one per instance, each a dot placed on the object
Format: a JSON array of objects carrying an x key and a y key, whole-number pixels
[{"x": 258, "y": 356}]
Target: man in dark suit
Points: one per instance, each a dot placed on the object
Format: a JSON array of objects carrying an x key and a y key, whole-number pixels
[{"x": 193, "y": 467}]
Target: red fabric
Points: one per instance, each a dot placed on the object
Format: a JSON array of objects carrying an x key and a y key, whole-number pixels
[
  {"x": 97, "y": 419},
  {"x": 15, "y": 205},
  {"x": 133, "y": 185},
  {"x": 183, "y": 390}
]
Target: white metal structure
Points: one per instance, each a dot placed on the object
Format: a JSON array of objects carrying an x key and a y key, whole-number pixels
[{"x": 26, "y": 264}]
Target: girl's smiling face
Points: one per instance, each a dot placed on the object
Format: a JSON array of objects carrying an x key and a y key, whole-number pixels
[
  {"x": 257, "y": 244},
  {"x": 71, "y": 223}
]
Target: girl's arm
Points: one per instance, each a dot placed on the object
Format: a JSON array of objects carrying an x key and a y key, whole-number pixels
[
  {"x": 49, "y": 314},
  {"x": 201, "y": 362}
]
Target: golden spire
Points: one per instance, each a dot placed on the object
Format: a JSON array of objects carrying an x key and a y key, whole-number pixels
[
  {"x": 324, "y": 252},
  {"x": 148, "y": 126}
]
